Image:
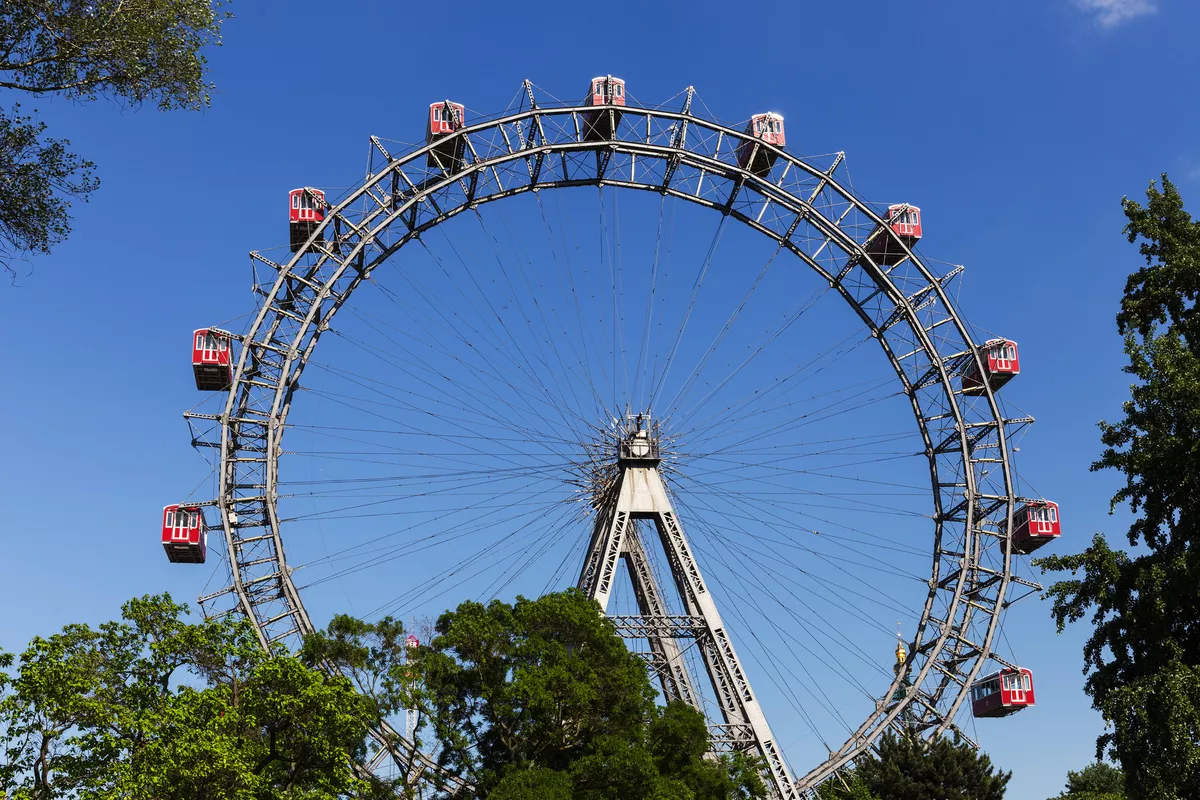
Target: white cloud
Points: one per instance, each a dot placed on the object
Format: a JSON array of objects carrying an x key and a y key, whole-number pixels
[{"x": 1110, "y": 13}]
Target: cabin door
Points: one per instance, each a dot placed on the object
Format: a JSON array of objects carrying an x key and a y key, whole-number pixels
[
  {"x": 177, "y": 522},
  {"x": 1003, "y": 358},
  {"x": 1044, "y": 522},
  {"x": 1017, "y": 693},
  {"x": 209, "y": 354}
]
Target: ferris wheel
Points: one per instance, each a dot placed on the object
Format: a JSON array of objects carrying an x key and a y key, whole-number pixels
[{"x": 735, "y": 407}]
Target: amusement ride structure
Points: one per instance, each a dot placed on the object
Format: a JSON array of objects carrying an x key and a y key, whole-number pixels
[{"x": 492, "y": 395}]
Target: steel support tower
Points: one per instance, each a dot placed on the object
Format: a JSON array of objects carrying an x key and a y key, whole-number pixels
[{"x": 639, "y": 493}]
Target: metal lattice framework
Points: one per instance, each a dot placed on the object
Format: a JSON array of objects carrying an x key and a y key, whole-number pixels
[{"x": 801, "y": 204}]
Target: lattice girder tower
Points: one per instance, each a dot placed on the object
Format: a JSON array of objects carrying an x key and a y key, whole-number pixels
[{"x": 639, "y": 493}]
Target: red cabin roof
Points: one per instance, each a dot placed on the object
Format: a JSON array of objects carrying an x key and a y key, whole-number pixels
[
  {"x": 601, "y": 124},
  {"x": 767, "y": 128},
  {"x": 306, "y": 212},
  {"x": 1001, "y": 362},
  {"x": 444, "y": 118},
  {"x": 1002, "y": 693},
  {"x": 1035, "y": 524},
  {"x": 605, "y": 91},
  {"x": 1001, "y": 356},
  {"x": 212, "y": 361},
  {"x": 905, "y": 220},
  {"x": 306, "y": 204},
  {"x": 183, "y": 535}
]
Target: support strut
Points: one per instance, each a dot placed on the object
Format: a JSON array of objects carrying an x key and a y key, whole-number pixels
[{"x": 638, "y": 493}]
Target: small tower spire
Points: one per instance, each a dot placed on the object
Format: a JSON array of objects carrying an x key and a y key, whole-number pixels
[{"x": 901, "y": 654}]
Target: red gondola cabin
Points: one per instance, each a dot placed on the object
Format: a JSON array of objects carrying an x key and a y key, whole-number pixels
[
  {"x": 212, "y": 360},
  {"x": 905, "y": 222},
  {"x": 1035, "y": 524},
  {"x": 753, "y": 157},
  {"x": 306, "y": 211},
  {"x": 606, "y": 95},
  {"x": 1000, "y": 362},
  {"x": 1002, "y": 693},
  {"x": 445, "y": 118},
  {"x": 183, "y": 534}
]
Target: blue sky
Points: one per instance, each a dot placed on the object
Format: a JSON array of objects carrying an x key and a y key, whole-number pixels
[{"x": 1016, "y": 127}]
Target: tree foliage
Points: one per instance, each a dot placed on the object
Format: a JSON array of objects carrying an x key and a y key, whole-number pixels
[
  {"x": 1098, "y": 781},
  {"x": 136, "y": 50},
  {"x": 37, "y": 176},
  {"x": 910, "y": 768},
  {"x": 374, "y": 657},
  {"x": 1143, "y": 657},
  {"x": 132, "y": 51},
  {"x": 849, "y": 785},
  {"x": 152, "y": 706},
  {"x": 536, "y": 699}
]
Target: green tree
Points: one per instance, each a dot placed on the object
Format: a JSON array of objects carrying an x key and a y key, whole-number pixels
[
  {"x": 849, "y": 785},
  {"x": 537, "y": 699},
  {"x": 152, "y": 706},
  {"x": 1099, "y": 781},
  {"x": 1143, "y": 657},
  {"x": 374, "y": 657},
  {"x": 37, "y": 175},
  {"x": 910, "y": 768},
  {"x": 130, "y": 51}
]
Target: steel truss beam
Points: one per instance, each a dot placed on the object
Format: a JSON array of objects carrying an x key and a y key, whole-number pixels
[{"x": 640, "y": 494}]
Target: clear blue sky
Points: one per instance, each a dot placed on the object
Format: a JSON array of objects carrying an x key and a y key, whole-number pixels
[{"x": 1016, "y": 126}]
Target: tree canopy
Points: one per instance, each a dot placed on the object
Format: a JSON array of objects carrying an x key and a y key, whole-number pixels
[
  {"x": 537, "y": 699},
  {"x": 848, "y": 785},
  {"x": 132, "y": 51},
  {"x": 910, "y": 768},
  {"x": 1098, "y": 781},
  {"x": 152, "y": 706},
  {"x": 1143, "y": 657}
]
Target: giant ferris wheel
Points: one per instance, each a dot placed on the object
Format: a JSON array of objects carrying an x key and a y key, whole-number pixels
[{"x": 735, "y": 407}]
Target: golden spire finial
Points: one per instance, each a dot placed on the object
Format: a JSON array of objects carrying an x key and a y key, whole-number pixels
[{"x": 900, "y": 652}]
